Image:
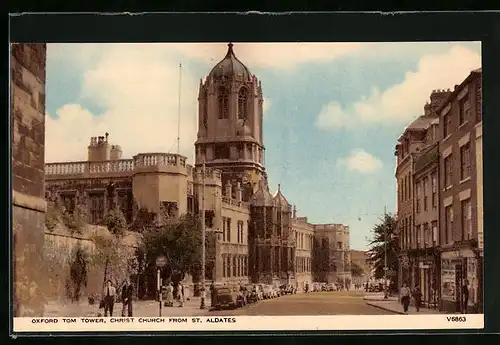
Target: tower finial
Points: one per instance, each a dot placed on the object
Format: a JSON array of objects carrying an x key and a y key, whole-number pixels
[
  {"x": 229, "y": 49},
  {"x": 279, "y": 187}
]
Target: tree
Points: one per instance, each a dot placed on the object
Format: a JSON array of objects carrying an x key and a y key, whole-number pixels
[
  {"x": 384, "y": 230},
  {"x": 179, "y": 240},
  {"x": 78, "y": 273},
  {"x": 115, "y": 222},
  {"x": 356, "y": 270}
]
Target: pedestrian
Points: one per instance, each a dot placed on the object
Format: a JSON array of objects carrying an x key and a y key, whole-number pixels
[
  {"x": 169, "y": 295},
  {"x": 417, "y": 296},
  {"x": 180, "y": 294},
  {"x": 405, "y": 297},
  {"x": 465, "y": 296},
  {"x": 127, "y": 295},
  {"x": 366, "y": 287},
  {"x": 109, "y": 294}
]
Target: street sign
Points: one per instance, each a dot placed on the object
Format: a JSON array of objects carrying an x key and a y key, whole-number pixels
[{"x": 161, "y": 261}]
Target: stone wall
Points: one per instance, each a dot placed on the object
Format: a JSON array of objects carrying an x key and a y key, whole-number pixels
[{"x": 28, "y": 139}]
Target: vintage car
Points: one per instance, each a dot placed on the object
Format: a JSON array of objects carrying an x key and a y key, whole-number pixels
[{"x": 225, "y": 297}]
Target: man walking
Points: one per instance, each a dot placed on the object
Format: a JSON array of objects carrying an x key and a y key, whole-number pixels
[
  {"x": 127, "y": 295},
  {"x": 417, "y": 295},
  {"x": 109, "y": 294},
  {"x": 405, "y": 297}
]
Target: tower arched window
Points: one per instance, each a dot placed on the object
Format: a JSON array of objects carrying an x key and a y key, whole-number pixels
[
  {"x": 205, "y": 109},
  {"x": 243, "y": 103},
  {"x": 223, "y": 103}
]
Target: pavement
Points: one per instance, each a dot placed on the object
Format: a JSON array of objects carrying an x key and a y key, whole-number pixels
[
  {"x": 377, "y": 296},
  {"x": 396, "y": 307},
  {"x": 140, "y": 308},
  {"x": 313, "y": 303}
]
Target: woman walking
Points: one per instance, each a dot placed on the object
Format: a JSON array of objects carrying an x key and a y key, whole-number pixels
[
  {"x": 169, "y": 299},
  {"x": 180, "y": 294},
  {"x": 405, "y": 297}
]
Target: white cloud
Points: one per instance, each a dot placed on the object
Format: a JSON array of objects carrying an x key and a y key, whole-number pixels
[
  {"x": 403, "y": 102},
  {"x": 361, "y": 161},
  {"x": 138, "y": 90}
]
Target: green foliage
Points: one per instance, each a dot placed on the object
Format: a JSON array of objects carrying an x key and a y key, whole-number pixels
[
  {"x": 356, "y": 270},
  {"x": 75, "y": 221},
  {"x": 385, "y": 230},
  {"x": 143, "y": 220},
  {"x": 115, "y": 222},
  {"x": 78, "y": 273},
  {"x": 179, "y": 240},
  {"x": 52, "y": 216}
]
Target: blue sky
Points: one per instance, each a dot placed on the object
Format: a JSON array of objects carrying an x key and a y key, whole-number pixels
[{"x": 333, "y": 111}]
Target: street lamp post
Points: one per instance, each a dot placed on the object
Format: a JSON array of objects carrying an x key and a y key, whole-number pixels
[
  {"x": 203, "y": 234},
  {"x": 385, "y": 256}
]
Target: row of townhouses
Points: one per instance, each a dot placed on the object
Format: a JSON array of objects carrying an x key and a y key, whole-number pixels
[
  {"x": 440, "y": 199},
  {"x": 257, "y": 235}
]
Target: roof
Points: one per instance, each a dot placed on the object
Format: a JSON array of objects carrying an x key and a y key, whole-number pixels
[
  {"x": 230, "y": 66},
  {"x": 472, "y": 75},
  {"x": 279, "y": 198},
  {"x": 262, "y": 197}
]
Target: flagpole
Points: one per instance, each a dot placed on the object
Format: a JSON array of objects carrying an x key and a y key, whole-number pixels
[
  {"x": 179, "y": 112},
  {"x": 385, "y": 254}
]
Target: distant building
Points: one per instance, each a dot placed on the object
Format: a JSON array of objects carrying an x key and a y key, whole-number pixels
[
  {"x": 257, "y": 236},
  {"x": 360, "y": 258}
]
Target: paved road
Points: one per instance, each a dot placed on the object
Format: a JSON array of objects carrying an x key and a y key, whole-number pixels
[{"x": 316, "y": 303}]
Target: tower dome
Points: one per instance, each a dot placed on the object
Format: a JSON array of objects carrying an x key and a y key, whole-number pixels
[{"x": 230, "y": 66}]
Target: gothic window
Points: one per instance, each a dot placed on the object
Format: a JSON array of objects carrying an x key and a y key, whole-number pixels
[
  {"x": 243, "y": 103},
  {"x": 223, "y": 103},
  {"x": 205, "y": 109},
  {"x": 96, "y": 207},
  {"x": 125, "y": 204},
  {"x": 69, "y": 202}
]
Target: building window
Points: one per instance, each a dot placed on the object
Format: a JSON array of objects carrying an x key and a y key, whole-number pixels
[
  {"x": 427, "y": 235},
  {"x": 234, "y": 267},
  {"x": 240, "y": 231},
  {"x": 418, "y": 229},
  {"x": 228, "y": 229},
  {"x": 224, "y": 267},
  {"x": 339, "y": 245},
  {"x": 466, "y": 219},
  {"x": 465, "y": 161},
  {"x": 205, "y": 109},
  {"x": 434, "y": 233},
  {"x": 446, "y": 125},
  {"x": 464, "y": 111},
  {"x": 96, "y": 208},
  {"x": 223, "y": 103},
  {"x": 425, "y": 194},
  {"x": 243, "y": 103},
  {"x": 417, "y": 202},
  {"x": 228, "y": 266},
  {"x": 448, "y": 215},
  {"x": 224, "y": 229},
  {"x": 221, "y": 151},
  {"x": 447, "y": 171},
  {"x": 434, "y": 190}
]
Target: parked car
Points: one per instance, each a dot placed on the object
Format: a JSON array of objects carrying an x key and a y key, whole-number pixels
[
  {"x": 226, "y": 297},
  {"x": 277, "y": 291},
  {"x": 258, "y": 291},
  {"x": 267, "y": 291}
]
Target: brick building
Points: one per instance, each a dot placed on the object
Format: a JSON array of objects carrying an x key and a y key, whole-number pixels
[
  {"x": 257, "y": 235},
  {"x": 28, "y": 205},
  {"x": 460, "y": 122},
  {"x": 439, "y": 176}
]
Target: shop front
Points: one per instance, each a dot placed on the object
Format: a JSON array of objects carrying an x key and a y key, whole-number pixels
[
  {"x": 459, "y": 281},
  {"x": 428, "y": 270}
]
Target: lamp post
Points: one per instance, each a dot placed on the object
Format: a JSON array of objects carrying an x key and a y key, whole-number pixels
[
  {"x": 385, "y": 256},
  {"x": 203, "y": 234}
]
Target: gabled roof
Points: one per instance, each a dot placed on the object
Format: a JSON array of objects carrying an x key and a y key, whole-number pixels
[
  {"x": 262, "y": 197},
  {"x": 279, "y": 199}
]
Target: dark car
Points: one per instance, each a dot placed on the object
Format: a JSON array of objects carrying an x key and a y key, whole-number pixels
[{"x": 225, "y": 297}]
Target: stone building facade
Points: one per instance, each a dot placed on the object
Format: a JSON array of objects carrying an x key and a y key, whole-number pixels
[
  {"x": 257, "y": 236},
  {"x": 27, "y": 93},
  {"x": 440, "y": 222},
  {"x": 332, "y": 259}
]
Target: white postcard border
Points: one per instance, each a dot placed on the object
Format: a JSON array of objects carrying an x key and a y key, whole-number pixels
[{"x": 249, "y": 323}]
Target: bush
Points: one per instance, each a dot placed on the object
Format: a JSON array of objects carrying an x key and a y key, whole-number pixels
[
  {"x": 115, "y": 222},
  {"x": 74, "y": 222},
  {"x": 52, "y": 216}
]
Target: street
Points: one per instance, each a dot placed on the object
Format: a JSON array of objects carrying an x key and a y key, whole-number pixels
[{"x": 315, "y": 303}]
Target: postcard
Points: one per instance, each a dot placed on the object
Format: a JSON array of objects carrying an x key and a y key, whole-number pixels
[{"x": 247, "y": 186}]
